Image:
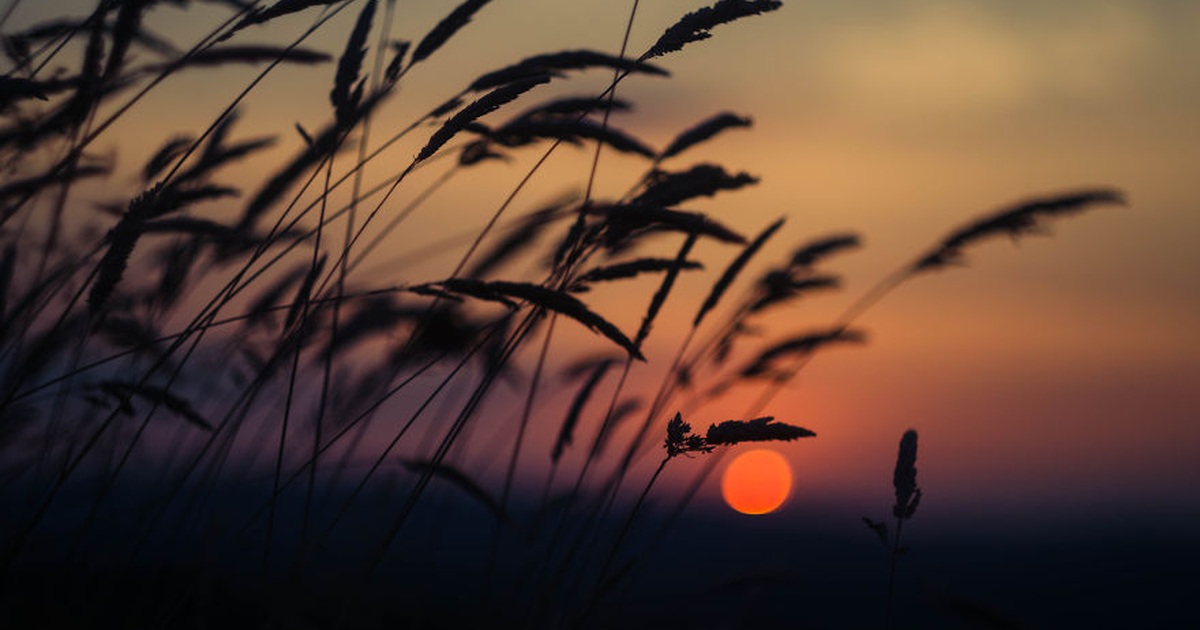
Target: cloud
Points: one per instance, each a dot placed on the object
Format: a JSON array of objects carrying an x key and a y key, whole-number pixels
[{"x": 940, "y": 58}]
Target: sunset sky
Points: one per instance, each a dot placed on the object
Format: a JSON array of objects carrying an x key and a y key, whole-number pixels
[{"x": 1056, "y": 377}]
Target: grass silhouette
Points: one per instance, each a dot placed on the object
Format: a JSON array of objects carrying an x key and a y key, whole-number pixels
[{"x": 165, "y": 352}]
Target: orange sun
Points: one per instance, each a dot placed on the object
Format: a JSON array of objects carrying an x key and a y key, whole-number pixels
[{"x": 757, "y": 482}]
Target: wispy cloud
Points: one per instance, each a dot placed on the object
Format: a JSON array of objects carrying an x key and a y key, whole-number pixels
[{"x": 968, "y": 58}]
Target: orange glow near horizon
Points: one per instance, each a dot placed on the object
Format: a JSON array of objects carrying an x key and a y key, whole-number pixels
[{"x": 757, "y": 482}]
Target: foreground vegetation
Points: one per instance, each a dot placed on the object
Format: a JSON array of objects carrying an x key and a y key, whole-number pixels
[{"x": 200, "y": 393}]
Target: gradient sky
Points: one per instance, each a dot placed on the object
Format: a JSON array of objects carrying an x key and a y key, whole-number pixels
[{"x": 1055, "y": 376}]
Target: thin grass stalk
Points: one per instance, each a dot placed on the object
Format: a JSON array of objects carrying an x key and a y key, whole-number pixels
[
  {"x": 283, "y": 430},
  {"x": 567, "y": 431},
  {"x": 333, "y": 216},
  {"x": 423, "y": 252},
  {"x": 655, "y": 304},
  {"x": 515, "y": 340},
  {"x": 74, "y": 462},
  {"x": 209, "y": 479},
  {"x": 78, "y": 131},
  {"x": 590, "y": 530},
  {"x": 419, "y": 328},
  {"x": 208, "y": 313},
  {"x": 348, "y": 69},
  {"x": 382, "y": 457},
  {"x": 238, "y": 409},
  {"x": 235, "y": 417},
  {"x": 356, "y": 190},
  {"x": 583, "y": 471},
  {"x": 345, "y": 255},
  {"x": 327, "y": 368},
  {"x": 302, "y": 469},
  {"x": 109, "y": 482},
  {"x": 527, "y": 411},
  {"x": 233, "y": 319},
  {"x": 608, "y": 494},
  {"x": 612, "y": 93},
  {"x": 364, "y": 138},
  {"x": 59, "y": 406},
  {"x": 12, "y": 6},
  {"x": 626, "y": 526},
  {"x": 10, "y": 395},
  {"x": 60, "y": 202},
  {"x": 669, "y": 384},
  {"x": 241, "y": 282},
  {"x": 614, "y": 484},
  {"x": 370, "y": 217},
  {"x": 591, "y": 180},
  {"x": 403, "y": 214},
  {"x": 11, "y": 554},
  {"x": 179, "y": 340},
  {"x": 58, "y": 43},
  {"x": 389, "y": 182},
  {"x": 455, "y": 273},
  {"x": 31, "y": 320},
  {"x": 62, "y": 43},
  {"x": 206, "y": 316},
  {"x": 511, "y": 471},
  {"x": 44, "y": 293}
]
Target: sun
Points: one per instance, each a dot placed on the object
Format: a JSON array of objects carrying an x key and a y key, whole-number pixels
[{"x": 757, "y": 482}]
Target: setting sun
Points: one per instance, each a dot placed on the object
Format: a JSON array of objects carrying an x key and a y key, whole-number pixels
[{"x": 757, "y": 482}]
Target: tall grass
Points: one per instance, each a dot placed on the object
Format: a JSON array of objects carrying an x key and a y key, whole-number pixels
[{"x": 199, "y": 374}]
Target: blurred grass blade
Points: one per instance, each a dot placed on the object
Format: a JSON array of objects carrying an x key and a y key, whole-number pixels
[{"x": 735, "y": 268}]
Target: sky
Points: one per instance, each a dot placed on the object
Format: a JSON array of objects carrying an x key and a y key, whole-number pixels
[{"x": 1050, "y": 378}]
